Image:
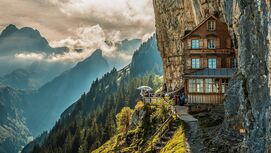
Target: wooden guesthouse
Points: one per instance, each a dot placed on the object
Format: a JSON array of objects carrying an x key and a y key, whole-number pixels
[{"x": 210, "y": 62}]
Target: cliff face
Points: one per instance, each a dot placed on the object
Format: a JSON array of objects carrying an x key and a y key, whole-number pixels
[
  {"x": 173, "y": 18},
  {"x": 247, "y": 100}
]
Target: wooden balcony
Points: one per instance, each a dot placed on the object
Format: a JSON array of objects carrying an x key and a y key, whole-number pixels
[
  {"x": 211, "y": 51},
  {"x": 205, "y": 98}
]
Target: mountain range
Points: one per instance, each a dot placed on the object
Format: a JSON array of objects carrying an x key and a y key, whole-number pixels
[
  {"x": 55, "y": 96},
  {"x": 90, "y": 121},
  {"x": 24, "y": 114},
  {"x": 37, "y": 110},
  {"x": 14, "y": 133},
  {"x": 14, "y": 40},
  {"x": 31, "y": 75}
]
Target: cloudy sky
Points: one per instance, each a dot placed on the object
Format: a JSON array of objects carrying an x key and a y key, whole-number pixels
[
  {"x": 80, "y": 23},
  {"x": 60, "y": 19}
]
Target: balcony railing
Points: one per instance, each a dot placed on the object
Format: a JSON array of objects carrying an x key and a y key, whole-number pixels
[{"x": 211, "y": 51}]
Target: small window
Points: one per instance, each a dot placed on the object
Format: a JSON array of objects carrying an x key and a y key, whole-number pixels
[
  {"x": 212, "y": 63},
  {"x": 211, "y": 25},
  {"x": 211, "y": 43},
  {"x": 192, "y": 85},
  {"x": 234, "y": 63},
  {"x": 208, "y": 85},
  {"x": 195, "y": 44},
  {"x": 200, "y": 85},
  {"x": 195, "y": 63}
]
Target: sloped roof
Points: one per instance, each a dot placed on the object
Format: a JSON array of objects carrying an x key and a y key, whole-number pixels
[
  {"x": 199, "y": 25},
  {"x": 213, "y": 73}
]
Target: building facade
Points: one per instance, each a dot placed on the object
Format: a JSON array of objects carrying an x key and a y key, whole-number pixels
[{"x": 210, "y": 61}]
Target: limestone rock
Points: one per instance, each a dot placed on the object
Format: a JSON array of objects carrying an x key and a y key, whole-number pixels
[
  {"x": 137, "y": 118},
  {"x": 247, "y": 103}
]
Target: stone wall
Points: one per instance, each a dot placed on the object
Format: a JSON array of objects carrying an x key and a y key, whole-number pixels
[{"x": 248, "y": 100}]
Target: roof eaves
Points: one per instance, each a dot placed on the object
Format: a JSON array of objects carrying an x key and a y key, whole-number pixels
[{"x": 206, "y": 19}]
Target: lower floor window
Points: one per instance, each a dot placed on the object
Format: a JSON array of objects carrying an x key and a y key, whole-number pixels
[
  {"x": 195, "y": 85},
  {"x": 206, "y": 85}
]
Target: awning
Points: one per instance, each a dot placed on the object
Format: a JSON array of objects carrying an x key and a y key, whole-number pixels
[{"x": 212, "y": 73}]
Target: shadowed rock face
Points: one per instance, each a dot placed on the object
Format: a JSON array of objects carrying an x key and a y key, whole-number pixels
[{"x": 248, "y": 100}]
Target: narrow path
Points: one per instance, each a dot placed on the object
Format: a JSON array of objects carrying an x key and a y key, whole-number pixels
[
  {"x": 167, "y": 135},
  {"x": 194, "y": 143}
]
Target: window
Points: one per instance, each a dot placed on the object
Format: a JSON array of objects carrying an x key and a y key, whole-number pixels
[
  {"x": 192, "y": 85},
  {"x": 216, "y": 85},
  {"x": 195, "y": 63},
  {"x": 224, "y": 85},
  {"x": 211, "y": 43},
  {"x": 195, "y": 85},
  {"x": 208, "y": 85},
  {"x": 211, "y": 85},
  {"x": 211, "y": 25},
  {"x": 234, "y": 63},
  {"x": 212, "y": 63},
  {"x": 199, "y": 83},
  {"x": 195, "y": 44}
]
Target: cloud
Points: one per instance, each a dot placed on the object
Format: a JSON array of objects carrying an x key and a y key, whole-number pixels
[
  {"x": 30, "y": 56},
  {"x": 55, "y": 18},
  {"x": 85, "y": 41},
  {"x": 81, "y": 25}
]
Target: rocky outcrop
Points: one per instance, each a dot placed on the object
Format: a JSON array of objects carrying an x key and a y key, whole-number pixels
[
  {"x": 172, "y": 18},
  {"x": 251, "y": 30},
  {"x": 248, "y": 100}
]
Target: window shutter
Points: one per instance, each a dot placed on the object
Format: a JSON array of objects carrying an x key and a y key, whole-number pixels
[
  {"x": 188, "y": 63},
  {"x": 205, "y": 63},
  {"x": 228, "y": 43},
  {"x": 205, "y": 43},
  {"x": 217, "y": 42},
  {"x": 189, "y": 44},
  {"x": 201, "y": 43},
  {"x": 218, "y": 62},
  {"x": 229, "y": 62}
]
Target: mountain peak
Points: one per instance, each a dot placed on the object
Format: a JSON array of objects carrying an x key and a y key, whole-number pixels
[
  {"x": 9, "y": 29},
  {"x": 14, "y": 40},
  {"x": 98, "y": 53},
  {"x": 11, "y": 26}
]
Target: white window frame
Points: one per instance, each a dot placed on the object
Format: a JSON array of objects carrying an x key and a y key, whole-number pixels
[
  {"x": 211, "y": 86},
  {"x": 234, "y": 63},
  {"x": 211, "y": 25},
  {"x": 195, "y": 63},
  {"x": 208, "y": 85},
  {"x": 196, "y": 86},
  {"x": 211, "y": 44},
  {"x": 195, "y": 44},
  {"x": 212, "y": 63}
]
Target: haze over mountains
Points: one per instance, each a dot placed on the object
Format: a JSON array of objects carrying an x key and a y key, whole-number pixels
[
  {"x": 28, "y": 113},
  {"x": 40, "y": 91},
  {"x": 27, "y": 61},
  {"x": 55, "y": 96},
  {"x": 95, "y": 110},
  {"x": 14, "y": 40}
]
